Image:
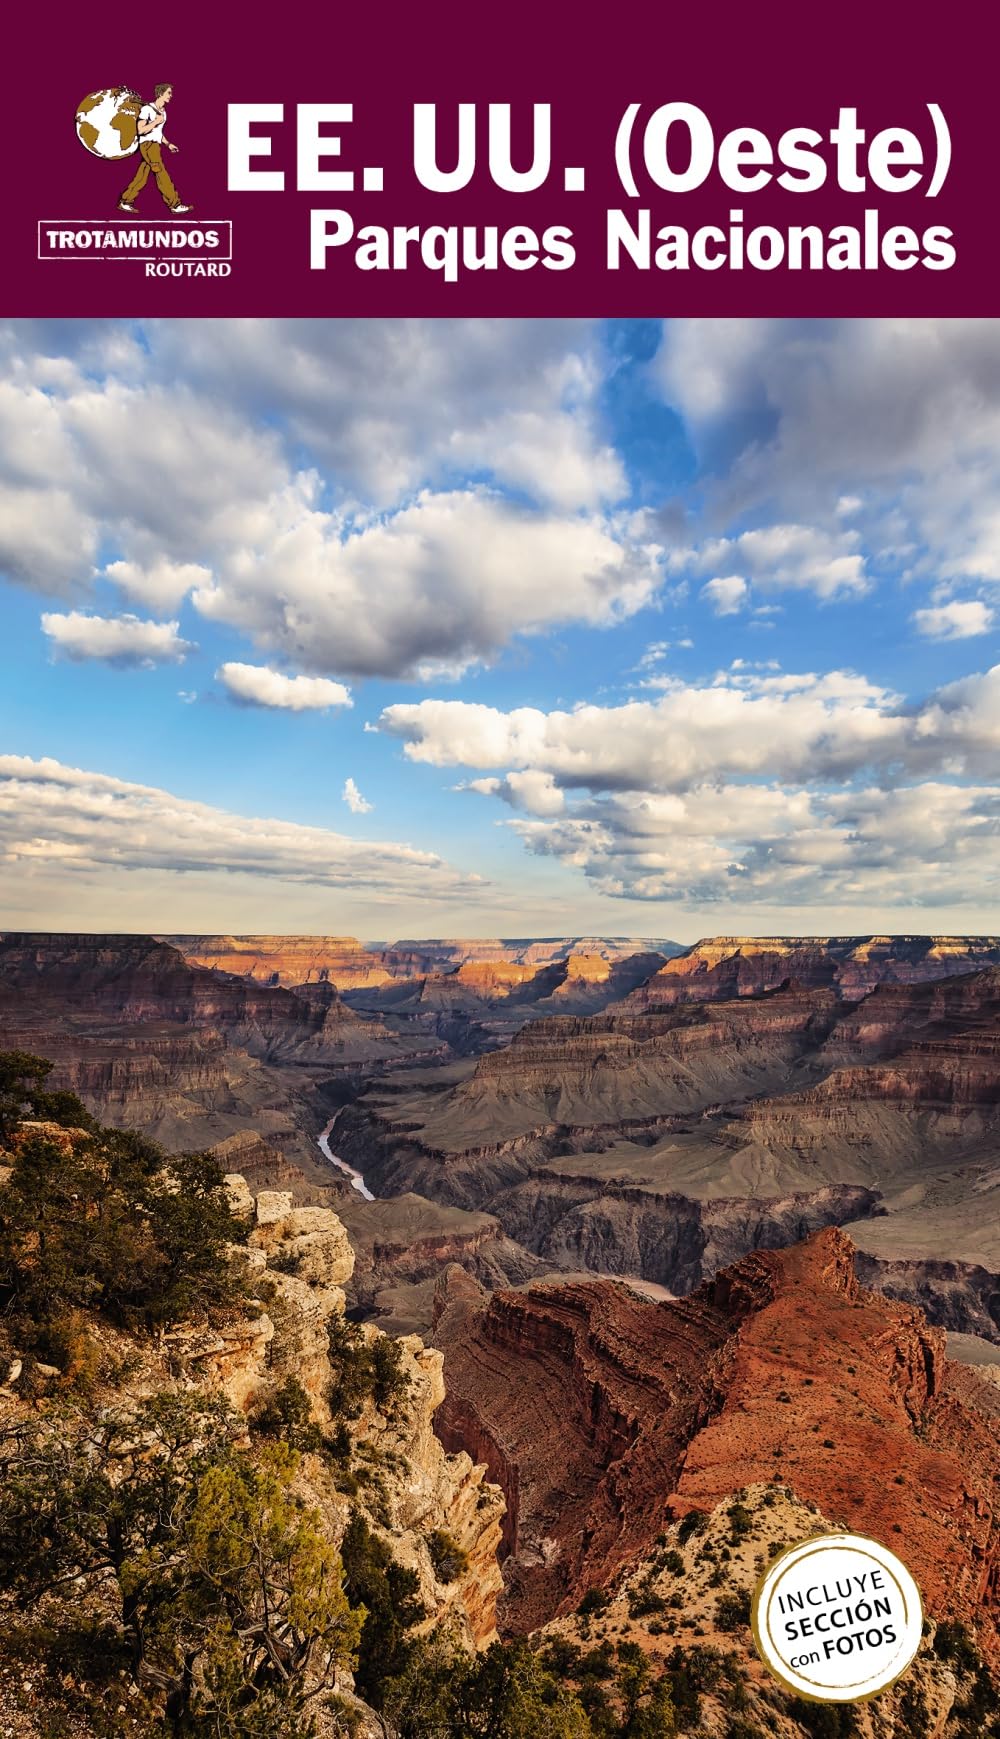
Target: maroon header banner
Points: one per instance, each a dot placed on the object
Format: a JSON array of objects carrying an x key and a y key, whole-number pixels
[{"x": 520, "y": 161}]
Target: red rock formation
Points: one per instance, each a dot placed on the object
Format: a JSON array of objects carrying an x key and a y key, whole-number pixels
[
  {"x": 571, "y": 1396},
  {"x": 596, "y": 1411}
]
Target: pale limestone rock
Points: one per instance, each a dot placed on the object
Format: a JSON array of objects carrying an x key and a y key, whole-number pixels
[
  {"x": 435, "y": 1492},
  {"x": 251, "y": 1357},
  {"x": 273, "y": 1205},
  {"x": 301, "y": 1349},
  {"x": 247, "y": 1253},
  {"x": 425, "y": 1490},
  {"x": 312, "y": 1240},
  {"x": 238, "y": 1191},
  {"x": 234, "y": 1359}
]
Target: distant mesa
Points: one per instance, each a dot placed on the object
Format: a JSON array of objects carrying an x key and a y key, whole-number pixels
[
  {"x": 349, "y": 964},
  {"x": 720, "y": 967}
]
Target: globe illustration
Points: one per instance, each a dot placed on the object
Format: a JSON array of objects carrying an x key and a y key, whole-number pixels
[{"x": 106, "y": 123}]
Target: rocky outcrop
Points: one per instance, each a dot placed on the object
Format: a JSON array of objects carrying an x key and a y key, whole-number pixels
[
  {"x": 300, "y": 1260},
  {"x": 686, "y": 1590},
  {"x": 436, "y": 1491},
  {"x": 597, "y": 1411},
  {"x": 571, "y": 1396},
  {"x": 306, "y": 1257}
]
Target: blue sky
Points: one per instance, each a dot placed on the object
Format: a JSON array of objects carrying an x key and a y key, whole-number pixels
[{"x": 618, "y": 626}]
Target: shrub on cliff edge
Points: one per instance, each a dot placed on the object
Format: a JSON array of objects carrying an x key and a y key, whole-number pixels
[{"x": 111, "y": 1225}]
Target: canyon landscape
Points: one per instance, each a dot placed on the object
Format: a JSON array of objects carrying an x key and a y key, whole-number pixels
[
  {"x": 574, "y": 1106},
  {"x": 697, "y": 1232}
]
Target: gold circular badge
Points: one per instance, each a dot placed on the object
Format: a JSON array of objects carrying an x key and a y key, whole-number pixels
[{"x": 837, "y": 1618}]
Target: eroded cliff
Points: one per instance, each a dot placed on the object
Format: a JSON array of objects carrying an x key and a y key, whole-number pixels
[{"x": 720, "y": 967}]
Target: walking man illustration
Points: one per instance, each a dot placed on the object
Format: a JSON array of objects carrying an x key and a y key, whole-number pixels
[{"x": 152, "y": 117}]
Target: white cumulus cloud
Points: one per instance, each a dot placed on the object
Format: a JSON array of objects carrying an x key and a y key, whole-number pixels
[
  {"x": 160, "y": 585},
  {"x": 258, "y": 685},
  {"x": 125, "y": 641},
  {"x": 442, "y": 584},
  {"x": 785, "y": 558},
  {"x": 727, "y": 594},
  {"x": 745, "y": 723},
  {"x": 961, "y": 619}
]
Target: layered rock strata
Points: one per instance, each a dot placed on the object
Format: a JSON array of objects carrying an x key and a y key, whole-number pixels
[
  {"x": 721, "y": 967},
  {"x": 600, "y": 1414}
]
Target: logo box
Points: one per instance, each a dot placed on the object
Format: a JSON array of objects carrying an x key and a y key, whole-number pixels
[{"x": 135, "y": 238}]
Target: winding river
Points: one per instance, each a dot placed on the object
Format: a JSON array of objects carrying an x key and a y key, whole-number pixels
[{"x": 357, "y": 1181}]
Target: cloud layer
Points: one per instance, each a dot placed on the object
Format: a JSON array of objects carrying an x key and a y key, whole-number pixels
[
  {"x": 82, "y": 822},
  {"x": 757, "y": 787},
  {"x": 893, "y": 424},
  {"x": 435, "y": 503},
  {"x": 926, "y": 845},
  {"x": 795, "y": 728}
]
